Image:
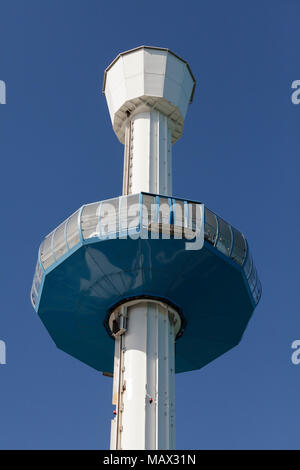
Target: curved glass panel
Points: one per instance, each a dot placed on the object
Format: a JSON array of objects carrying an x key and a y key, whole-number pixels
[
  {"x": 189, "y": 218},
  {"x": 224, "y": 238},
  {"x": 36, "y": 284},
  {"x": 164, "y": 211},
  {"x": 59, "y": 242},
  {"x": 164, "y": 217},
  {"x": 253, "y": 279},
  {"x": 178, "y": 218},
  {"x": 196, "y": 217},
  {"x": 210, "y": 227},
  {"x": 239, "y": 249},
  {"x": 148, "y": 210},
  {"x": 89, "y": 220},
  {"x": 72, "y": 230},
  {"x": 248, "y": 265},
  {"x": 109, "y": 217},
  {"x": 38, "y": 272},
  {"x": 46, "y": 252},
  {"x": 129, "y": 211},
  {"x": 33, "y": 296},
  {"x": 178, "y": 209},
  {"x": 257, "y": 291}
]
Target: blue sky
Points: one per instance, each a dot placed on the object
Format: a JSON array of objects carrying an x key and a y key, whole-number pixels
[{"x": 239, "y": 154}]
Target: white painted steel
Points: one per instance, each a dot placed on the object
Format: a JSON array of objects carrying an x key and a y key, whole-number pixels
[
  {"x": 144, "y": 377},
  {"x": 148, "y": 155}
]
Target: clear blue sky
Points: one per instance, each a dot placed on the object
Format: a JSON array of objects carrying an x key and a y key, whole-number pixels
[{"x": 239, "y": 154}]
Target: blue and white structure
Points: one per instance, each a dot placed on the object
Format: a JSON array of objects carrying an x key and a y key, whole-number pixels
[{"x": 123, "y": 281}]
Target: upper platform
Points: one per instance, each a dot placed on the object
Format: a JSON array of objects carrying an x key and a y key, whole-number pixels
[
  {"x": 151, "y": 77},
  {"x": 83, "y": 272}
]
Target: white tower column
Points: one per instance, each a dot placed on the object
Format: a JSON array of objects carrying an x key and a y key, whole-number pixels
[
  {"x": 144, "y": 374},
  {"x": 147, "y": 154}
]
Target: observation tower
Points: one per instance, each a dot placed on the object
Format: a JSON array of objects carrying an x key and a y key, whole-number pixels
[{"x": 145, "y": 285}]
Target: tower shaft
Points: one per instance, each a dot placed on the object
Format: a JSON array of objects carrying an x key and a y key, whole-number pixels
[
  {"x": 148, "y": 90},
  {"x": 147, "y": 154},
  {"x": 144, "y": 374}
]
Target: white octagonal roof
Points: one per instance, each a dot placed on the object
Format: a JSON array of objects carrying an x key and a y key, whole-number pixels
[{"x": 150, "y": 76}]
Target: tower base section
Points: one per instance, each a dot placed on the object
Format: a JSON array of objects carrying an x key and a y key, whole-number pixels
[{"x": 144, "y": 375}]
